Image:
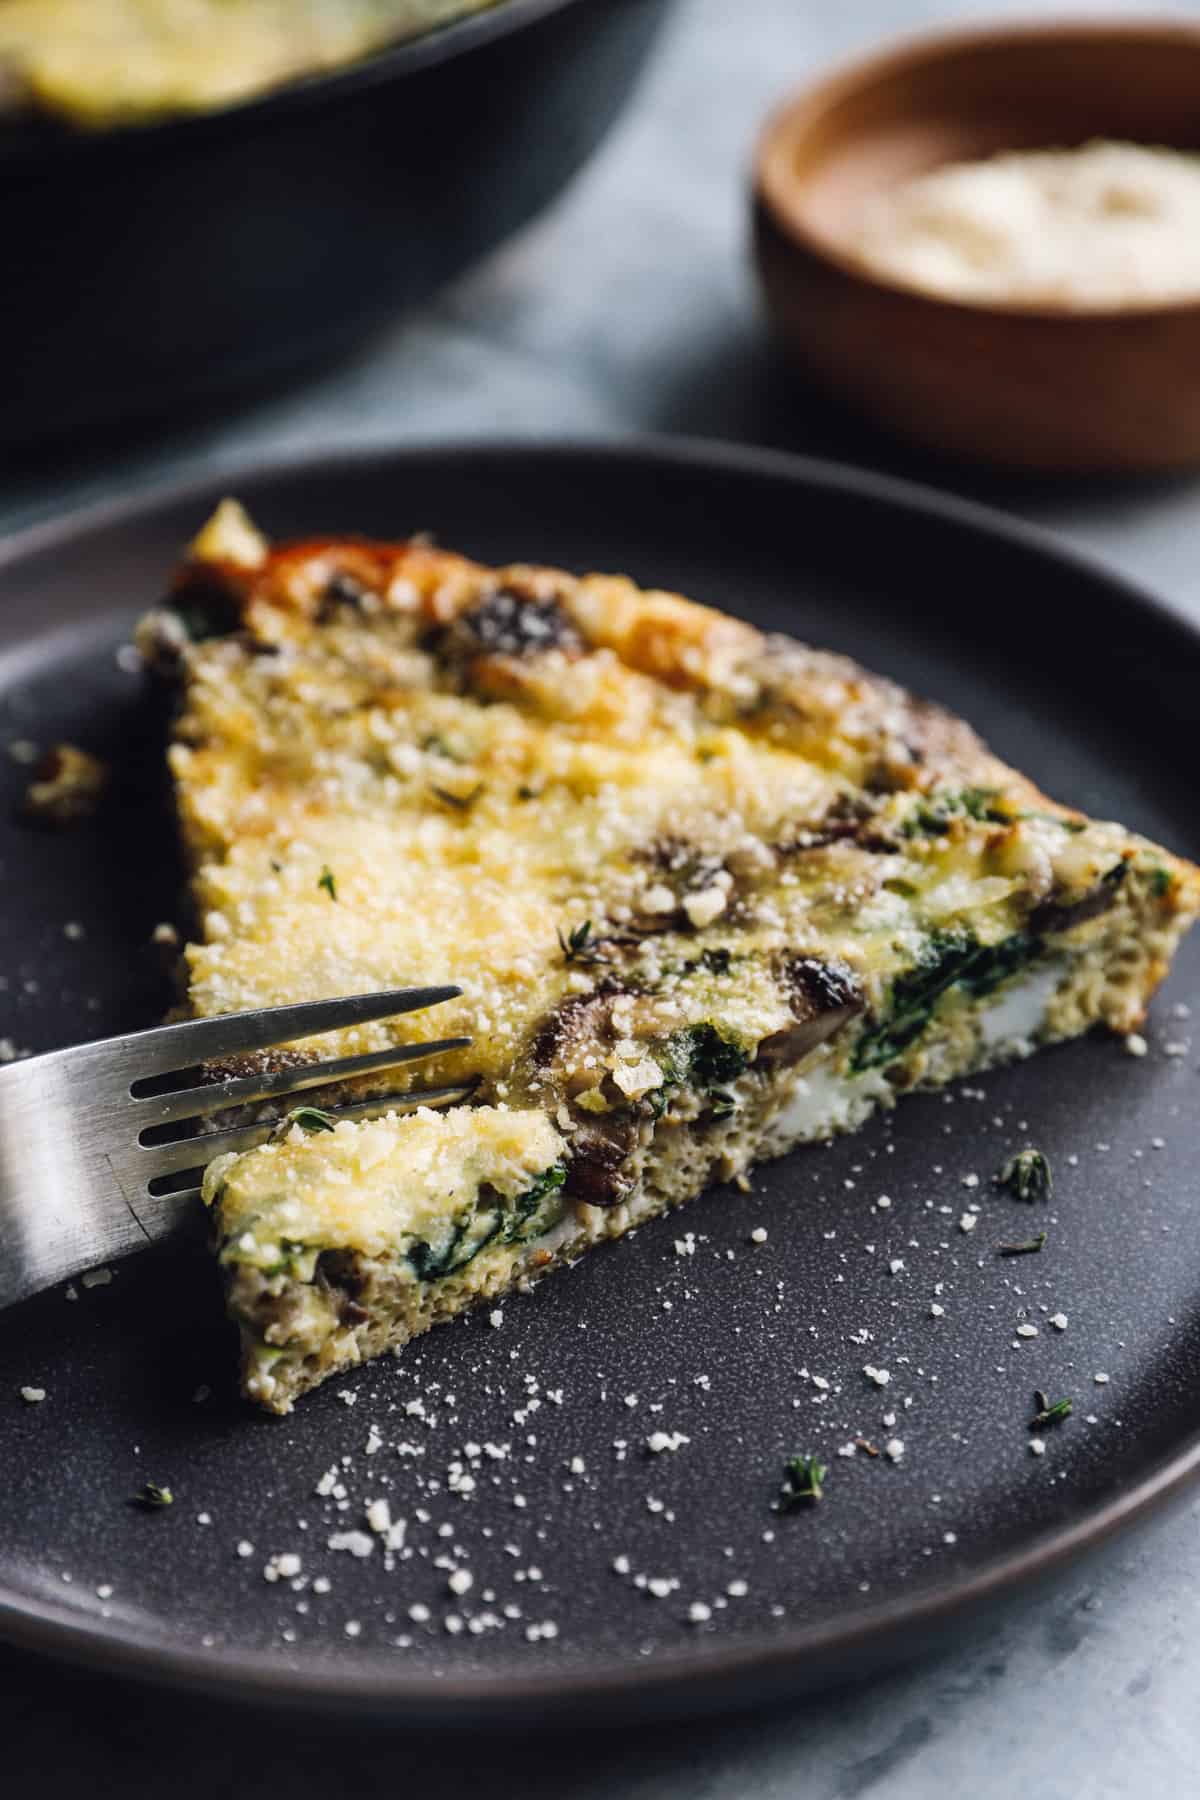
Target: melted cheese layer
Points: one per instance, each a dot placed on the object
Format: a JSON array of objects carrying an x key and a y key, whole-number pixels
[{"x": 369, "y": 1186}]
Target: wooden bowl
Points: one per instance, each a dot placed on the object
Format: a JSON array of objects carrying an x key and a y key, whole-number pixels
[{"x": 1021, "y": 387}]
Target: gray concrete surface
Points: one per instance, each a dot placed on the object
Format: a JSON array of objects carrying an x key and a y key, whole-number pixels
[{"x": 1091, "y": 1692}]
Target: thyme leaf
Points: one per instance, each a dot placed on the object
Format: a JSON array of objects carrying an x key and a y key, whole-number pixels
[
  {"x": 328, "y": 881},
  {"x": 153, "y": 1497},
  {"x": 578, "y": 945},
  {"x": 1027, "y": 1175},
  {"x": 1047, "y": 1413},
  {"x": 1028, "y": 1249},
  {"x": 308, "y": 1118},
  {"x": 460, "y": 802},
  {"x": 803, "y": 1480}
]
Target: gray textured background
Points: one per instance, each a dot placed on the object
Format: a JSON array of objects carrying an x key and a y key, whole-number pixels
[{"x": 1091, "y": 1690}]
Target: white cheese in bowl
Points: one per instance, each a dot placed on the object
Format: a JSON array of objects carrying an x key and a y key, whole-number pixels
[{"x": 1103, "y": 227}]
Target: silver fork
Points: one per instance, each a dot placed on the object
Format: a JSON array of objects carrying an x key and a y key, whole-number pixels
[{"x": 79, "y": 1183}]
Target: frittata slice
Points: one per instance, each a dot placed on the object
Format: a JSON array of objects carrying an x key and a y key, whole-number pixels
[{"x": 708, "y": 895}]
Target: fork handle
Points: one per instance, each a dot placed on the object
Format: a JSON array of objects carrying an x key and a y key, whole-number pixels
[{"x": 62, "y": 1210}]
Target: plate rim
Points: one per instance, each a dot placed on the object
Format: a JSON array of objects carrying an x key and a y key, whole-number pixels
[{"x": 756, "y": 1668}]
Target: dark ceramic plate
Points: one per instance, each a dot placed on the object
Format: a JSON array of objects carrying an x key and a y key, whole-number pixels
[{"x": 569, "y": 1533}]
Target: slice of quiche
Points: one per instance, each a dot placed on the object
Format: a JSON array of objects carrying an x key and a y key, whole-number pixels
[{"x": 708, "y": 894}]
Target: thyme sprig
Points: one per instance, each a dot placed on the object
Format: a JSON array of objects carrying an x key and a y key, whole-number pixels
[{"x": 579, "y": 946}]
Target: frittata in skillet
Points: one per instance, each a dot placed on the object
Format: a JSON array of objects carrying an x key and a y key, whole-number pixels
[
  {"x": 101, "y": 63},
  {"x": 708, "y": 894}
]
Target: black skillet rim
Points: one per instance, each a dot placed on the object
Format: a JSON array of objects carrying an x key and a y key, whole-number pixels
[{"x": 680, "y": 1684}]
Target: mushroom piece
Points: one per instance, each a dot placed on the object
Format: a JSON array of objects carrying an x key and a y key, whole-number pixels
[
  {"x": 595, "y": 1173},
  {"x": 823, "y": 997}
]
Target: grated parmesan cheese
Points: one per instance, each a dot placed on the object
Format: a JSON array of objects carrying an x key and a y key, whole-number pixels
[{"x": 1103, "y": 226}]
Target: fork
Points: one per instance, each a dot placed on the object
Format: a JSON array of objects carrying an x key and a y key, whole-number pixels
[{"x": 82, "y": 1179}]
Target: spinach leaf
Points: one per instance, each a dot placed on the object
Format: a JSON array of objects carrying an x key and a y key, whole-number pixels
[
  {"x": 950, "y": 959},
  {"x": 932, "y": 817},
  {"x": 698, "y": 1056},
  {"x": 505, "y": 1222}
]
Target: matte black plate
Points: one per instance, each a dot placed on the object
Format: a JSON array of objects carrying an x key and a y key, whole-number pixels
[{"x": 1084, "y": 683}]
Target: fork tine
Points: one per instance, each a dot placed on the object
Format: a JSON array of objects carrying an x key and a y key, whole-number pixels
[
  {"x": 168, "y": 1047},
  {"x": 157, "y": 1160},
  {"x": 194, "y": 1102},
  {"x": 177, "y": 1203}
]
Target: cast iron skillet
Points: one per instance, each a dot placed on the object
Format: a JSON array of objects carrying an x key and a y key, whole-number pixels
[
  {"x": 1090, "y": 686},
  {"x": 150, "y": 268}
]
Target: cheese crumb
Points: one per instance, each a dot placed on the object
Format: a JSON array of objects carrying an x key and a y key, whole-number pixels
[
  {"x": 1106, "y": 224},
  {"x": 283, "y": 1567},
  {"x": 704, "y": 907},
  {"x": 356, "y": 1542},
  {"x": 33, "y": 1395},
  {"x": 379, "y": 1517},
  {"x": 658, "y": 1441}
]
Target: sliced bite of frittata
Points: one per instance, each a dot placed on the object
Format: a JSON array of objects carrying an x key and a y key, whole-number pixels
[{"x": 708, "y": 895}]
